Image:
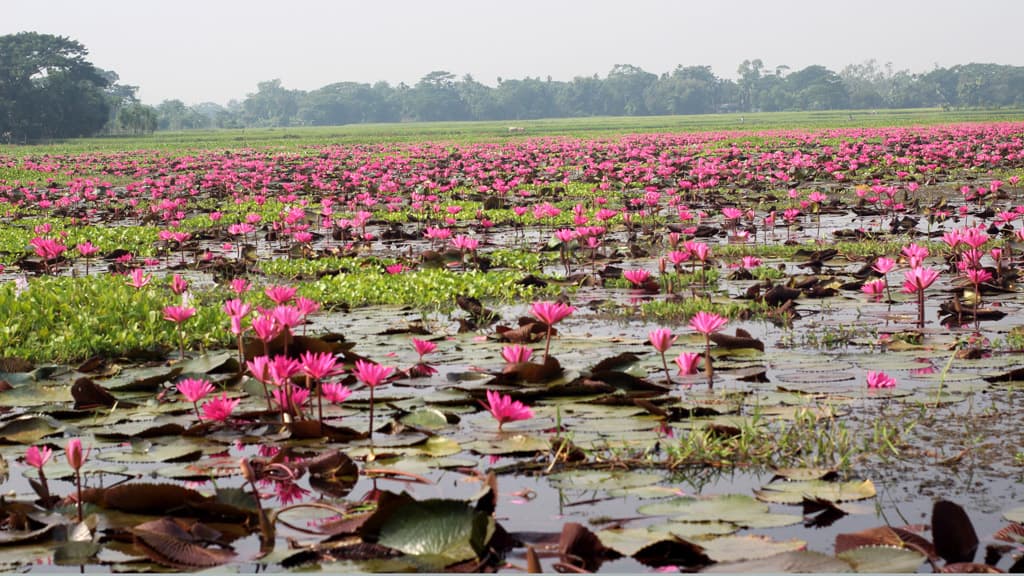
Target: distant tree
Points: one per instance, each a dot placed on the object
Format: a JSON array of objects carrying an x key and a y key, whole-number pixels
[
  {"x": 817, "y": 88},
  {"x": 136, "y": 119},
  {"x": 435, "y": 97},
  {"x": 623, "y": 90},
  {"x": 271, "y": 105},
  {"x": 48, "y": 89},
  {"x": 175, "y": 115}
]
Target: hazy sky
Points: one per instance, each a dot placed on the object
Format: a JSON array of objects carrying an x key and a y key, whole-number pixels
[{"x": 216, "y": 50}]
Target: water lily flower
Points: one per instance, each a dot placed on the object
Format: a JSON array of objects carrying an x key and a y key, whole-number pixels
[
  {"x": 707, "y": 323},
  {"x": 178, "y": 314},
  {"x": 516, "y": 353},
  {"x": 662, "y": 339},
  {"x": 138, "y": 278},
  {"x": 637, "y": 277},
  {"x": 219, "y": 409},
  {"x": 239, "y": 286},
  {"x": 687, "y": 362},
  {"x": 372, "y": 375},
  {"x": 280, "y": 294},
  {"x": 336, "y": 393},
  {"x": 194, "y": 389},
  {"x": 880, "y": 380},
  {"x": 550, "y": 313},
  {"x": 178, "y": 284},
  {"x": 423, "y": 347},
  {"x": 504, "y": 409}
]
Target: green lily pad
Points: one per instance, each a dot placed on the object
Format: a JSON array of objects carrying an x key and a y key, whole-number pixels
[
  {"x": 601, "y": 480},
  {"x": 748, "y": 547},
  {"x": 168, "y": 453},
  {"x": 427, "y": 418},
  {"x": 514, "y": 444},
  {"x": 36, "y": 394},
  {"x": 29, "y": 429},
  {"x": 738, "y": 509},
  {"x": 629, "y": 541},
  {"x": 794, "y": 492},
  {"x": 795, "y": 562},
  {"x": 450, "y": 530},
  {"x": 883, "y": 559},
  {"x": 695, "y": 530}
]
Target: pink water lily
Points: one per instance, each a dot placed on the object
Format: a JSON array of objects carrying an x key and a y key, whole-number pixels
[
  {"x": 687, "y": 362},
  {"x": 550, "y": 313},
  {"x": 516, "y": 353},
  {"x": 880, "y": 380},
  {"x": 219, "y": 409},
  {"x": 372, "y": 375},
  {"x": 423, "y": 347},
  {"x": 662, "y": 339},
  {"x": 637, "y": 277},
  {"x": 280, "y": 294},
  {"x": 194, "y": 390},
  {"x": 505, "y": 409},
  {"x": 707, "y": 323}
]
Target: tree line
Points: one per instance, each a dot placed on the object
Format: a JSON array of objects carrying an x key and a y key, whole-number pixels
[{"x": 49, "y": 90}]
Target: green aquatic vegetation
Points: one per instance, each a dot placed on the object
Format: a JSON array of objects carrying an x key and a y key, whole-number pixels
[{"x": 66, "y": 319}]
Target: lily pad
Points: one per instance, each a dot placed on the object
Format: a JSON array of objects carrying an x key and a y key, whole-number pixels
[
  {"x": 795, "y": 562},
  {"x": 748, "y": 547},
  {"x": 449, "y": 530},
  {"x": 695, "y": 530},
  {"x": 513, "y": 444},
  {"x": 602, "y": 480},
  {"x": 1015, "y": 515},
  {"x": 883, "y": 559},
  {"x": 794, "y": 492},
  {"x": 738, "y": 509},
  {"x": 29, "y": 429}
]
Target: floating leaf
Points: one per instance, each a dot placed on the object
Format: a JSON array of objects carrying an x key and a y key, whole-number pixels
[
  {"x": 794, "y": 492},
  {"x": 427, "y": 418},
  {"x": 1015, "y": 515},
  {"x": 514, "y": 444},
  {"x": 953, "y": 533},
  {"x": 737, "y": 509},
  {"x": 29, "y": 429},
  {"x": 601, "y": 480},
  {"x": 168, "y": 543},
  {"x": 795, "y": 562},
  {"x": 883, "y": 559},
  {"x": 748, "y": 547},
  {"x": 168, "y": 453}
]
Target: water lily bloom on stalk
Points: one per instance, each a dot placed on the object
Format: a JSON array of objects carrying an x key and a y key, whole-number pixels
[
  {"x": 874, "y": 287},
  {"x": 915, "y": 254},
  {"x": 336, "y": 393},
  {"x": 423, "y": 347},
  {"x": 516, "y": 353},
  {"x": 505, "y": 409},
  {"x": 219, "y": 409},
  {"x": 194, "y": 389},
  {"x": 138, "y": 278},
  {"x": 637, "y": 277},
  {"x": 687, "y": 362},
  {"x": 280, "y": 294},
  {"x": 179, "y": 285},
  {"x": 662, "y": 339},
  {"x": 883, "y": 265},
  {"x": 178, "y": 314},
  {"x": 707, "y": 323},
  {"x": 372, "y": 375},
  {"x": 76, "y": 458},
  {"x": 239, "y": 286},
  {"x": 880, "y": 380},
  {"x": 918, "y": 279},
  {"x": 550, "y": 313},
  {"x": 394, "y": 269},
  {"x": 37, "y": 457}
]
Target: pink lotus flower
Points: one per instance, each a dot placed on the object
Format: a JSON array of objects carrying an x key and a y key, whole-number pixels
[
  {"x": 138, "y": 278},
  {"x": 551, "y": 312},
  {"x": 290, "y": 398},
  {"x": 372, "y": 374},
  {"x": 874, "y": 287},
  {"x": 883, "y": 265},
  {"x": 516, "y": 353},
  {"x": 707, "y": 322},
  {"x": 86, "y": 249},
  {"x": 219, "y": 409},
  {"x": 423, "y": 347},
  {"x": 178, "y": 284},
  {"x": 319, "y": 365},
  {"x": 687, "y": 362},
  {"x": 259, "y": 367},
  {"x": 287, "y": 316},
  {"x": 306, "y": 306},
  {"x": 38, "y": 457},
  {"x": 280, "y": 294},
  {"x": 336, "y": 393},
  {"x": 504, "y": 409},
  {"x": 73, "y": 452},
  {"x": 394, "y": 269},
  {"x": 880, "y": 380},
  {"x": 178, "y": 314},
  {"x": 915, "y": 254},
  {"x": 194, "y": 389},
  {"x": 282, "y": 368},
  {"x": 637, "y": 277},
  {"x": 978, "y": 275},
  {"x": 239, "y": 286},
  {"x": 918, "y": 279},
  {"x": 662, "y": 339}
]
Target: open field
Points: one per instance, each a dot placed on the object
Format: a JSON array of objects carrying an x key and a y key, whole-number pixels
[{"x": 789, "y": 343}]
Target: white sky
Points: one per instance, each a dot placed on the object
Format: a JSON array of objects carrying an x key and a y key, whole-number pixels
[{"x": 217, "y": 50}]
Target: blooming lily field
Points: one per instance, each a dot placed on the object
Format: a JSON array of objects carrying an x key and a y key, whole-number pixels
[{"x": 779, "y": 350}]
